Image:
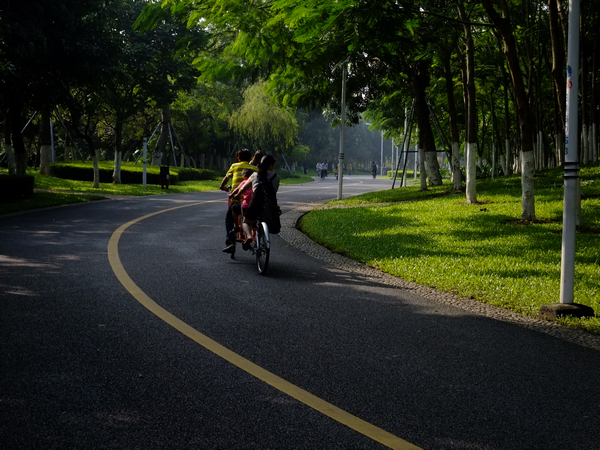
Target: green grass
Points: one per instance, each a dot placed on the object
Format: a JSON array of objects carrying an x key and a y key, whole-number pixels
[
  {"x": 52, "y": 191},
  {"x": 480, "y": 251},
  {"x": 59, "y": 184}
]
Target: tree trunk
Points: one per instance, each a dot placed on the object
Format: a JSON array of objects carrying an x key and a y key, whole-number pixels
[
  {"x": 133, "y": 144},
  {"x": 160, "y": 150},
  {"x": 16, "y": 122},
  {"x": 507, "y": 151},
  {"x": 420, "y": 82},
  {"x": 471, "y": 125},
  {"x": 10, "y": 156},
  {"x": 504, "y": 27},
  {"x": 422, "y": 169},
  {"x": 453, "y": 118},
  {"x": 45, "y": 143},
  {"x": 495, "y": 135},
  {"x": 558, "y": 75},
  {"x": 95, "y": 158},
  {"x": 118, "y": 151}
]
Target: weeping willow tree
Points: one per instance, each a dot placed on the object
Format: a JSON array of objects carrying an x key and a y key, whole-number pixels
[{"x": 263, "y": 122}]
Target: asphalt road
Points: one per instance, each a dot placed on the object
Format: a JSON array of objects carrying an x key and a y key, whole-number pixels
[{"x": 167, "y": 343}]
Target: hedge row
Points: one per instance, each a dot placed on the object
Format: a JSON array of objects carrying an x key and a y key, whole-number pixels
[
  {"x": 15, "y": 187},
  {"x": 188, "y": 174},
  {"x": 128, "y": 176},
  {"x": 131, "y": 175}
]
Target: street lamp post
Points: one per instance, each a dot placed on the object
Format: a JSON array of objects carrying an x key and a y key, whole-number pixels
[
  {"x": 342, "y": 128},
  {"x": 567, "y": 306}
]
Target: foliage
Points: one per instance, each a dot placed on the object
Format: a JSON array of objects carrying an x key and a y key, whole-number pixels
[
  {"x": 263, "y": 122},
  {"x": 485, "y": 171},
  {"x": 201, "y": 117},
  {"x": 479, "y": 251}
]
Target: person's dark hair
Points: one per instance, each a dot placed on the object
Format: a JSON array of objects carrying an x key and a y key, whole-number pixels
[
  {"x": 263, "y": 167},
  {"x": 257, "y": 157},
  {"x": 247, "y": 173},
  {"x": 244, "y": 155}
]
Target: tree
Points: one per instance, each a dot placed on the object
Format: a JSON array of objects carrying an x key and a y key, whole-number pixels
[
  {"x": 263, "y": 122},
  {"x": 503, "y": 24},
  {"x": 472, "y": 120},
  {"x": 201, "y": 118},
  {"x": 47, "y": 47}
]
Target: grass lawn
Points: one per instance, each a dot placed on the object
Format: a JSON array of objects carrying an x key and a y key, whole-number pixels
[
  {"x": 480, "y": 251},
  {"x": 58, "y": 191}
]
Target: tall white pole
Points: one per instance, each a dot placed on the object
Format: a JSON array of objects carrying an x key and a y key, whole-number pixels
[
  {"x": 567, "y": 289},
  {"x": 342, "y": 128}
]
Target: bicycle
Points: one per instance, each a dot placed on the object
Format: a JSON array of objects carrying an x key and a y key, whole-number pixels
[
  {"x": 261, "y": 246},
  {"x": 261, "y": 243}
]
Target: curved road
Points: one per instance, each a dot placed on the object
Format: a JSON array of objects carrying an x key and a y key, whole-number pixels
[{"x": 124, "y": 326}]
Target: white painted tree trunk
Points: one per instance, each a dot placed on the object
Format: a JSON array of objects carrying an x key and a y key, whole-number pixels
[
  {"x": 422, "y": 170},
  {"x": 493, "y": 160},
  {"x": 10, "y": 160},
  {"x": 471, "y": 172},
  {"x": 503, "y": 163},
  {"x": 508, "y": 168},
  {"x": 156, "y": 158},
  {"x": 432, "y": 167},
  {"x": 456, "y": 175},
  {"x": 117, "y": 169},
  {"x": 527, "y": 186},
  {"x": 45, "y": 159},
  {"x": 96, "y": 158},
  {"x": 416, "y": 165},
  {"x": 560, "y": 148}
]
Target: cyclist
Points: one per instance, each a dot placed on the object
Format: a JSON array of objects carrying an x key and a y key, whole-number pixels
[
  {"x": 264, "y": 182},
  {"x": 237, "y": 208},
  {"x": 373, "y": 169},
  {"x": 235, "y": 174}
]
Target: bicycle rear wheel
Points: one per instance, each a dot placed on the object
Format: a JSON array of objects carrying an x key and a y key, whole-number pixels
[{"x": 262, "y": 248}]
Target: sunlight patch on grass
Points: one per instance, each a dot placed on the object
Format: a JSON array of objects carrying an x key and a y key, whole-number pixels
[{"x": 480, "y": 251}]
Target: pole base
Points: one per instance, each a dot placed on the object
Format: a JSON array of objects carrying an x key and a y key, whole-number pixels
[{"x": 555, "y": 310}]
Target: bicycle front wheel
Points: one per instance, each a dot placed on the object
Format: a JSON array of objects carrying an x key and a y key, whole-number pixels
[{"x": 262, "y": 249}]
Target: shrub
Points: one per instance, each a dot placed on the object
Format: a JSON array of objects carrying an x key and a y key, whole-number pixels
[
  {"x": 485, "y": 171},
  {"x": 446, "y": 174},
  {"x": 129, "y": 175},
  {"x": 188, "y": 174}
]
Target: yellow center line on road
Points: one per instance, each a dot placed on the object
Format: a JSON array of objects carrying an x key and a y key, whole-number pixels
[{"x": 332, "y": 411}]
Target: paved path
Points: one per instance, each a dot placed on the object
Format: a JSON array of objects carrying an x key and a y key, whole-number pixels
[{"x": 322, "y": 353}]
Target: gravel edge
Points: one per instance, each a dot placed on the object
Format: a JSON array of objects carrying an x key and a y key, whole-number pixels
[{"x": 290, "y": 233}]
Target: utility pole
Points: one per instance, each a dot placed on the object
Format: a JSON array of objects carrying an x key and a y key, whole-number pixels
[
  {"x": 567, "y": 305},
  {"x": 342, "y": 128}
]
